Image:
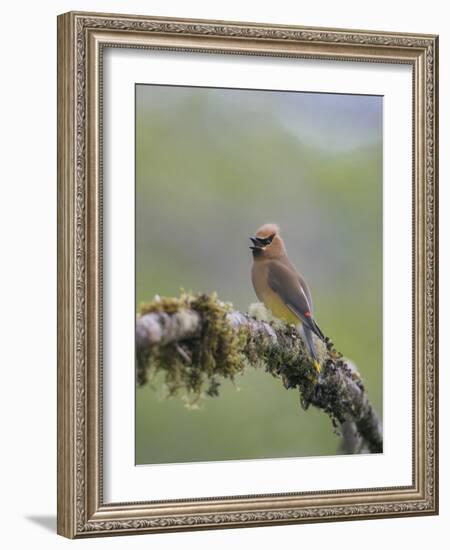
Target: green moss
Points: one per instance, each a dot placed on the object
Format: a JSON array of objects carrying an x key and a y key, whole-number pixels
[
  {"x": 166, "y": 304},
  {"x": 193, "y": 367}
]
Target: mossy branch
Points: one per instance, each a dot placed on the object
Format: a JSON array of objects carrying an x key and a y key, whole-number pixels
[{"x": 197, "y": 340}]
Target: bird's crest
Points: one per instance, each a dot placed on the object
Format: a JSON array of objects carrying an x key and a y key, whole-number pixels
[{"x": 267, "y": 230}]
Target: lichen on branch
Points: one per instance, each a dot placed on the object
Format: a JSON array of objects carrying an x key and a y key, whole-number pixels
[
  {"x": 203, "y": 348},
  {"x": 197, "y": 340}
]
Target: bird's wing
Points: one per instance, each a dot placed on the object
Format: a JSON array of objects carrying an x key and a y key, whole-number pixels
[
  {"x": 306, "y": 291},
  {"x": 285, "y": 282}
]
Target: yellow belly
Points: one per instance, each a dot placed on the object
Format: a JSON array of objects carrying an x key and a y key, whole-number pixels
[
  {"x": 276, "y": 305},
  {"x": 270, "y": 298}
]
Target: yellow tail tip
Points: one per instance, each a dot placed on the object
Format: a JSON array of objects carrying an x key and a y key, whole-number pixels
[{"x": 316, "y": 365}]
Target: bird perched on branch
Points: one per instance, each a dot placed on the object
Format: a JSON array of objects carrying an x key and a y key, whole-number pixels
[{"x": 281, "y": 288}]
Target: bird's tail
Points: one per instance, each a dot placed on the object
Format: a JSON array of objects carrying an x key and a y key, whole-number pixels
[{"x": 309, "y": 341}]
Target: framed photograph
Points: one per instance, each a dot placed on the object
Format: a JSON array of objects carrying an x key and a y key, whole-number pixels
[{"x": 247, "y": 274}]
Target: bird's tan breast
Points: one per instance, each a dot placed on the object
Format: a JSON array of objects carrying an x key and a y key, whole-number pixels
[{"x": 259, "y": 279}]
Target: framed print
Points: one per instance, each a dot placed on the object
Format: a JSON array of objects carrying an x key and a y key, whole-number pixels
[{"x": 247, "y": 274}]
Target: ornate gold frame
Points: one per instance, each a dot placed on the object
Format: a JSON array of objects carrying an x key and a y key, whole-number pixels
[{"x": 81, "y": 38}]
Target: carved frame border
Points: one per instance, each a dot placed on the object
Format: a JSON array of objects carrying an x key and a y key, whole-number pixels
[{"x": 81, "y": 37}]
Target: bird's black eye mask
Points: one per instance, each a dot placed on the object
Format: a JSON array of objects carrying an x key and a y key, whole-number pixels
[{"x": 261, "y": 243}]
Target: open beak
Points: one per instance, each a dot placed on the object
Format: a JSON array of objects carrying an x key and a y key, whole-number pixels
[{"x": 257, "y": 244}]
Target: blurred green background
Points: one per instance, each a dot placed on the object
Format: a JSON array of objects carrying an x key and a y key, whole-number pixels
[{"x": 212, "y": 165}]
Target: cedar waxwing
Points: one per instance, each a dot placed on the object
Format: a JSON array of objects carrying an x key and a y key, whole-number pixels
[{"x": 280, "y": 287}]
